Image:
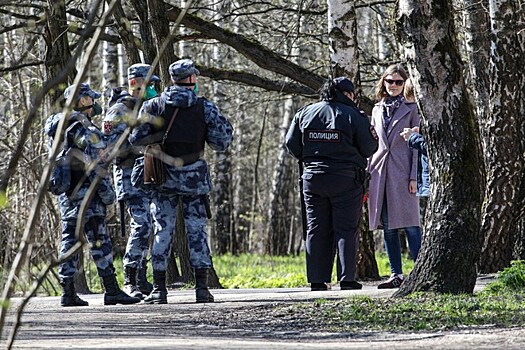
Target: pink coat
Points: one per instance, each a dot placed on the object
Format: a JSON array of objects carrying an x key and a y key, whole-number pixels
[{"x": 391, "y": 168}]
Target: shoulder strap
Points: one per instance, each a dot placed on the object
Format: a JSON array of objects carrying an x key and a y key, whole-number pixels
[
  {"x": 170, "y": 124},
  {"x": 66, "y": 134}
]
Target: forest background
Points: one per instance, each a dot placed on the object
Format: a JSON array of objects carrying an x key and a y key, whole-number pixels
[{"x": 260, "y": 61}]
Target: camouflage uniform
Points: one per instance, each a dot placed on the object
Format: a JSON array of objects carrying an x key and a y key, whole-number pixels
[
  {"x": 90, "y": 141},
  {"x": 188, "y": 183},
  {"x": 118, "y": 118},
  {"x": 137, "y": 200},
  {"x": 87, "y": 138}
]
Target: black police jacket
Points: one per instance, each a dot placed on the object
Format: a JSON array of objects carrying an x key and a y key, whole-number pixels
[{"x": 331, "y": 136}]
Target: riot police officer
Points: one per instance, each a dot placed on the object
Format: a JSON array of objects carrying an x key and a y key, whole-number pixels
[
  {"x": 188, "y": 122},
  {"x": 119, "y": 117},
  {"x": 87, "y": 145},
  {"x": 332, "y": 139}
]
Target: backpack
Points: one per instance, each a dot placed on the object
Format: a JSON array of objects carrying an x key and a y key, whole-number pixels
[{"x": 60, "y": 179}]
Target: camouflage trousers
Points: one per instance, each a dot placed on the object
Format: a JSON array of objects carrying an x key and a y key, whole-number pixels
[
  {"x": 141, "y": 229},
  {"x": 164, "y": 210},
  {"x": 100, "y": 245}
]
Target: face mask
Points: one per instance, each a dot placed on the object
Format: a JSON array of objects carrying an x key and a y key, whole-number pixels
[
  {"x": 196, "y": 88},
  {"x": 97, "y": 109},
  {"x": 150, "y": 92}
]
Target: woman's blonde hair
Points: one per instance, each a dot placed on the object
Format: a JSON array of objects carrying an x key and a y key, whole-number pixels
[
  {"x": 380, "y": 91},
  {"x": 408, "y": 91}
]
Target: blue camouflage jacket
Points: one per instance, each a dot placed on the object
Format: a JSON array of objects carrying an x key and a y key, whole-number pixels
[
  {"x": 89, "y": 140},
  {"x": 118, "y": 118},
  {"x": 191, "y": 179}
]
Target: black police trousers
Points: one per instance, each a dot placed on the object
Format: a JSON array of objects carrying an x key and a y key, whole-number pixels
[{"x": 333, "y": 210}]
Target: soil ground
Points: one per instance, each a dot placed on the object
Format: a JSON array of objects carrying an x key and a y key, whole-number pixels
[{"x": 239, "y": 319}]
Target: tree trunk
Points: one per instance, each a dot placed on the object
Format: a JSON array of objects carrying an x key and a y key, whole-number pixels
[
  {"x": 161, "y": 31},
  {"x": 57, "y": 56},
  {"x": 450, "y": 250},
  {"x": 57, "y": 53},
  {"x": 222, "y": 203},
  {"x": 519, "y": 234},
  {"x": 221, "y": 230},
  {"x": 502, "y": 127},
  {"x": 279, "y": 218},
  {"x": 110, "y": 66},
  {"x": 344, "y": 57},
  {"x": 342, "y": 36},
  {"x": 181, "y": 250},
  {"x": 124, "y": 29},
  {"x": 366, "y": 259},
  {"x": 146, "y": 36}
]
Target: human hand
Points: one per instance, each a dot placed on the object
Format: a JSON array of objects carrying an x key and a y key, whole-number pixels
[
  {"x": 415, "y": 129},
  {"x": 412, "y": 186},
  {"x": 406, "y": 133}
]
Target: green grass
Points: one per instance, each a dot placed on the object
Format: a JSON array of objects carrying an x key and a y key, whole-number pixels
[
  {"x": 500, "y": 304},
  {"x": 244, "y": 271},
  {"x": 262, "y": 271},
  {"x": 419, "y": 312}
]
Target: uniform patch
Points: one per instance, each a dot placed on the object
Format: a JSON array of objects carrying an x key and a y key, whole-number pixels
[
  {"x": 108, "y": 126},
  {"x": 374, "y": 133},
  {"x": 323, "y": 135}
]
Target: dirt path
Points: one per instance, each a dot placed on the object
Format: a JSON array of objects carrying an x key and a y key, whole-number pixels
[{"x": 240, "y": 319}]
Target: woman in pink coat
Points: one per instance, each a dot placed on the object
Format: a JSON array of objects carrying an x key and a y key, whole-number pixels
[{"x": 392, "y": 202}]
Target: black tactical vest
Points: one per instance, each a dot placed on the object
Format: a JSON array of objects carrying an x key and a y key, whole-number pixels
[{"x": 188, "y": 132}]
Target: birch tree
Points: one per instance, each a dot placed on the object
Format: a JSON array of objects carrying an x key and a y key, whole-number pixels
[
  {"x": 503, "y": 126},
  {"x": 342, "y": 36},
  {"x": 452, "y": 239}
]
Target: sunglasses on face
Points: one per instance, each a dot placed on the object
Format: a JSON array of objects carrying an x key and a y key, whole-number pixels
[{"x": 399, "y": 82}]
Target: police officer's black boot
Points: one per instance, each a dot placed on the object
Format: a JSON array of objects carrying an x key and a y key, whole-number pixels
[
  {"x": 113, "y": 293},
  {"x": 130, "y": 282},
  {"x": 201, "y": 287},
  {"x": 159, "y": 294},
  {"x": 142, "y": 280},
  {"x": 69, "y": 295}
]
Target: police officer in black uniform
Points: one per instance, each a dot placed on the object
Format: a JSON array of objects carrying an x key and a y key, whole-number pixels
[{"x": 332, "y": 140}]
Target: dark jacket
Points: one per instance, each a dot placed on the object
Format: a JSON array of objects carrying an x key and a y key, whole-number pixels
[
  {"x": 416, "y": 141},
  {"x": 331, "y": 136}
]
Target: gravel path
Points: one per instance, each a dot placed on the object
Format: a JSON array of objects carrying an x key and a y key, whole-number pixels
[{"x": 240, "y": 319}]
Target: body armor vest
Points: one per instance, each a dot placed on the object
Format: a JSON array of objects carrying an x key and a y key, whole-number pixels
[{"x": 187, "y": 135}]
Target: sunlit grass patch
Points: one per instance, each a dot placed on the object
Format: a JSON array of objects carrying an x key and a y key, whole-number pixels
[
  {"x": 500, "y": 304},
  {"x": 419, "y": 312},
  {"x": 264, "y": 271}
]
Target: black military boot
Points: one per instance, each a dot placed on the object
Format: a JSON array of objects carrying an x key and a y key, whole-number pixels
[
  {"x": 113, "y": 293},
  {"x": 201, "y": 287},
  {"x": 142, "y": 280},
  {"x": 159, "y": 294},
  {"x": 69, "y": 295},
  {"x": 130, "y": 282}
]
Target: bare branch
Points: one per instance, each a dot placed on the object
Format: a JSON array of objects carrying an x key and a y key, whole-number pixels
[
  {"x": 254, "y": 80},
  {"x": 19, "y": 66},
  {"x": 250, "y": 48}
]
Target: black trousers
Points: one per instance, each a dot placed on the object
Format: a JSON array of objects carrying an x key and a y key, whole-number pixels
[{"x": 333, "y": 211}]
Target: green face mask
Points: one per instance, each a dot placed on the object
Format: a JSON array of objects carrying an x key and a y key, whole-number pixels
[
  {"x": 97, "y": 109},
  {"x": 150, "y": 92},
  {"x": 196, "y": 88}
]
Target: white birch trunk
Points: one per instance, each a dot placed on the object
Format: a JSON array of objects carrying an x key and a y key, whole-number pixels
[
  {"x": 342, "y": 33},
  {"x": 504, "y": 127}
]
